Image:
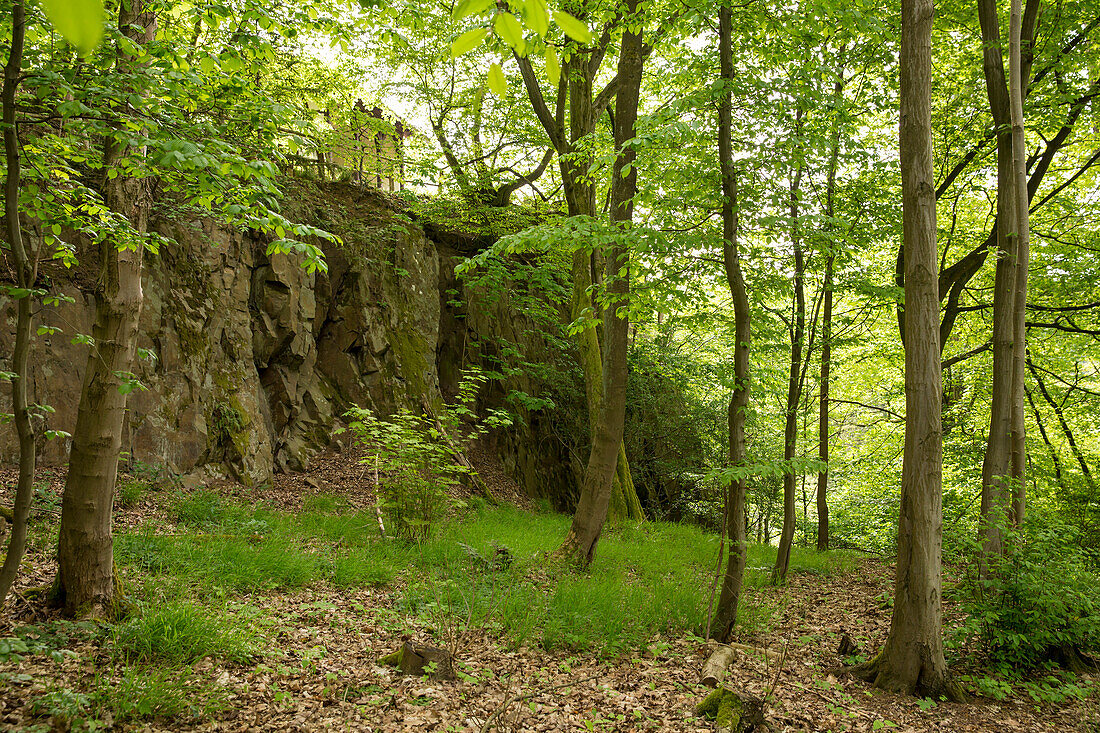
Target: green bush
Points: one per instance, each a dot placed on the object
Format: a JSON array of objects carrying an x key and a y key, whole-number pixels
[
  {"x": 1040, "y": 602},
  {"x": 415, "y": 457}
]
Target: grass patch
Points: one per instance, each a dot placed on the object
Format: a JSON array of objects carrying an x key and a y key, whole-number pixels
[
  {"x": 140, "y": 693},
  {"x": 181, "y": 632},
  {"x": 130, "y": 492},
  {"x": 647, "y": 579}
]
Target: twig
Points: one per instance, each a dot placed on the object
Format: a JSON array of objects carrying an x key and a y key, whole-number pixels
[{"x": 778, "y": 670}]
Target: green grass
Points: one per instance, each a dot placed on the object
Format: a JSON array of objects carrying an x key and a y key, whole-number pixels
[
  {"x": 647, "y": 579},
  {"x": 181, "y": 632},
  {"x": 142, "y": 693},
  {"x": 130, "y": 492}
]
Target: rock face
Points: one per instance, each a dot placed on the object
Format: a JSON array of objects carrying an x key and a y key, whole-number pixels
[{"x": 257, "y": 358}]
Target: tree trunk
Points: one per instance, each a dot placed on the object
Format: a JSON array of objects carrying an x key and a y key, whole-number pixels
[
  {"x": 607, "y": 432},
  {"x": 1003, "y": 465},
  {"x": 1021, "y": 202},
  {"x": 85, "y": 578},
  {"x": 26, "y": 273},
  {"x": 580, "y": 197},
  {"x": 575, "y": 87},
  {"x": 827, "y": 322},
  {"x": 912, "y": 661},
  {"x": 725, "y": 614},
  {"x": 794, "y": 382},
  {"x": 996, "y": 464}
]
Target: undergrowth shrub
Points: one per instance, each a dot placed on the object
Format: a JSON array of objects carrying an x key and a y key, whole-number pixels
[
  {"x": 1041, "y": 601},
  {"x": 415, "y": 457}
]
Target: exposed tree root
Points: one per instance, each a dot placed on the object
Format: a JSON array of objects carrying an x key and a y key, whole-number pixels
[{"x": 921, "y": 682}]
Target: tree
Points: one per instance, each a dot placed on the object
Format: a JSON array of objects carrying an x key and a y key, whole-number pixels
[
  {"x": 1003, "y": 465},
  {"x": 607, "y": 431},
  {"x": 725, "y": 613},
  {"x": 25, "y": 255},
  {"x": 797, "y": 330},
  {"x": 575, "y": 88},
  {"x": 912, "y": 660},
  {"x": 85, "y": 554},
  {"x": 827, "y": 318},
  {"x": 174, "y": 127}
]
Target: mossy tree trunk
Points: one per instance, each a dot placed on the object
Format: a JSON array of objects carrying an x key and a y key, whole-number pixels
[
  {"x": 575, "y": 91},
  {"x": 725, "y": 614},
  {"x": 607, "y": 431},
  {"x": 912, "y": 661},
  {"x": 85, "y": 577},
  {"x": 25, "y": 258}
]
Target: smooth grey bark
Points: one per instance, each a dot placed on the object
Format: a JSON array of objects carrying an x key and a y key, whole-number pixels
[
  {"x": 1021, "y": 202},
  {"x": 1003, "y": 464}
]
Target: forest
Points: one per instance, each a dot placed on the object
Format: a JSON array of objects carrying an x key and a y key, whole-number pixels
[{"x": 494, "y": 365}]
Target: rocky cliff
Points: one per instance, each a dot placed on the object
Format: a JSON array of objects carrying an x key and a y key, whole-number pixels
[{"x": 257, "y": 358}]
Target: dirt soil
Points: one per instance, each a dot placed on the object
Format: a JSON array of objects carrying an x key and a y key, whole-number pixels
[{"x": 323, "y": 674}]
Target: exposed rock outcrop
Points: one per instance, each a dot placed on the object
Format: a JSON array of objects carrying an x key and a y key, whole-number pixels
[{"x": 258, "y": 358}]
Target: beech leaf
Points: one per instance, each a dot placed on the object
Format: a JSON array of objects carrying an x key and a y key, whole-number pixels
[
  {"x": 80, "y": 22},
  {"x": 496, "y": 81},
  {"x": 509, "y": 29},
  {"x": 573, "y": 28},
  {"x": 538, "y": 17},
  {"x": 468, "y": 41},
  {"x": 553, "y": 69},
  {"x": 470, "y": 7}
]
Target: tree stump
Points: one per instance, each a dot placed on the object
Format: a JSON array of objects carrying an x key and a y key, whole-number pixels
[
  {"x": 847, "y": 647},
  {"x": 733, "y": 712},
  {"x": 419, "y": 660}
]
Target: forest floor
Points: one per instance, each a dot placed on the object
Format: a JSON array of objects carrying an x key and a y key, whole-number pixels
[{"x": 268, "y": 610}]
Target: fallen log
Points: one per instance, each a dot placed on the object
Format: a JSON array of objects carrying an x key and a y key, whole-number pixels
[
  {"x": 733, "y": 712},
  {"x": 714, "y": 669},
  {"x": 721, "y": 657}
]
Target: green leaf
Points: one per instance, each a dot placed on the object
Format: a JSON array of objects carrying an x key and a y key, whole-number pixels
[
  {"x": 553, "y": 68},
  {"x": 470, "y": 7},
  {"x": 80, "y": 22},
  {"x": 509, "y": 30},
  {"x": 468, "y": 41},
  {"x": 496, "y": 81},
  {"x": 538, "y": 17},
  {"x": 573, "y": 28}
]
